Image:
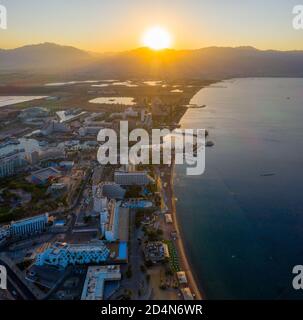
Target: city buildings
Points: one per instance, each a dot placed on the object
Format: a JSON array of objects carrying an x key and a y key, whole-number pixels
[
  {"x": 112, "y": 190},
  {"x": 146, "y": 118},
  {"x": 114, "y": 222},
  {"x": 54, "y": 153},
  {"x": 182, "y": 279},
  {"x": 127, "y": 113},
  {"x": 104, "y": 191},
  {"x": 10, "y": 162},
  {"x": 100, "y": 201},
  {"x": 137, "y": 203},
  {"x": 168, "y": 218},
  {"x": 156, "y": 251},
  {"x": 34, "y": 112},
  {"x": 142, "y": 115},
  {"x": 158, "y": 108},
  {"x": 95, "y": 116},
  {"x": 89, "y": 131},
  {"x": 71, "y": 115},
  {"x": 109, "y": 190},
  {"x": 96, "y": 178},
  {"x": 7, "y": 114},
  {"x": 57, "y": 189},
  {"x": 148, "y": 121},
  {"x": 44, "y": 175},
  {"x": 140, "y": 178},
  {"x": 32, "y": 157},
  {"x": 96, "y": 279},
  {"x": 67, "y": 165},
  {"x": 48, "y": 154},
  {"x": 109, "y": 221},
  {"x": 187, "y": 294},
  {"x": 29, "y": 226},
  {"x": 62, "y": 254},
  {"x": 24, "y": 228},
  {"x": 54, "y": 127},
  {"x": 4, "y": 233}
]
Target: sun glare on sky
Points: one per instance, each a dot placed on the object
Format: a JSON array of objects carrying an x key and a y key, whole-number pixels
[{"x": 157, "y": 38}]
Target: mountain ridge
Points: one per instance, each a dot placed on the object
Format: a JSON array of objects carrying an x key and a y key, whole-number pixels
[{"x": 208, "y": 62}]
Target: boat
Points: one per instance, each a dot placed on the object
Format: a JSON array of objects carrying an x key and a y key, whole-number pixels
[
  {"x": 210, "y": 144},
  {"x": 194, "y": 106},
  {"x": 267, "y": 174}
]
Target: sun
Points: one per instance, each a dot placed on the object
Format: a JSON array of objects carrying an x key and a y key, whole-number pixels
[{"x": 157, "y": 38}]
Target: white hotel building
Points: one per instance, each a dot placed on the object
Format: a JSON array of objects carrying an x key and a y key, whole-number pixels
[
  {"x": 109, "y": 221},
  {"x": 96, "y": 278},
  {"x": 4, "y": 233},
  {"x": 29, "y": 226},
  {"x": 140, "y": 178},
  {"x": 23, "y": 228},
  {"x": 9, "y": 163},
  {"x": 62, "y": 254}
]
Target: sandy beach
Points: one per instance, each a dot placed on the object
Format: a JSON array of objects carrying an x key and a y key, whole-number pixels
[{"x": 184, "y": 262}]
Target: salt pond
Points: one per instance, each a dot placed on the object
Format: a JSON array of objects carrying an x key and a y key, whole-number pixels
[
  {"x": 9, "y": 100},
  {"x": 176, "y": 91},
  {"x": 153, "y": 83},
  {"x": 128, "y": 101},
  {"x": 68, "y": 83}
]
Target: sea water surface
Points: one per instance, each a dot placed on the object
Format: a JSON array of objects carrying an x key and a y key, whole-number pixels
[{"x": 242, "y": 220}]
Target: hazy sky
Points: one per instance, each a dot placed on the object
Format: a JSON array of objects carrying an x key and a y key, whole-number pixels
[{"x": 111, "y": 25}]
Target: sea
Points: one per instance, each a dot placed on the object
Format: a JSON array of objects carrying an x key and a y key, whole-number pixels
[{"x": 242, "y": 220}]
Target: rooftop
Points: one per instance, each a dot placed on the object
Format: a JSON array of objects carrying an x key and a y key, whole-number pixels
[
  {"x": 181, "y": 277},
  {"x": 96, "y": 277},
  {"x": 26, "y": 220},
  {"x": 46, "y": 173},
  {"x": 187, "y": 295}
]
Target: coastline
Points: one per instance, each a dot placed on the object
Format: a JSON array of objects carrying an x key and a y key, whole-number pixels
[
  {"x": 184, "y": 261},
  {"x": 217, "y": 189},
  {"x": 182, "y": 252}
]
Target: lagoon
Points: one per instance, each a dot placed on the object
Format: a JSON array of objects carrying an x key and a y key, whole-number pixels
[
  {"x": 10, "y": 100},
  {"x": 128, "y": 101}
]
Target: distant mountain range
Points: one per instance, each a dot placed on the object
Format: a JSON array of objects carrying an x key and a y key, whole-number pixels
[
  {"x": 46, "y": 56},
  {"x": 211, "y": 62}
]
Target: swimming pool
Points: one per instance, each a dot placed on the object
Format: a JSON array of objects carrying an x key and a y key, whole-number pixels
[{"x": 122, "y": 251}]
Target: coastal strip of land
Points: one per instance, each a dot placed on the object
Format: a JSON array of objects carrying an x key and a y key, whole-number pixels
[{"x": 183, "y": 259}]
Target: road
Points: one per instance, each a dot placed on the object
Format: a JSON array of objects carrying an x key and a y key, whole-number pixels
[
  {"x": 15, "y": 286},
  {"x": 137, "y": 282}
]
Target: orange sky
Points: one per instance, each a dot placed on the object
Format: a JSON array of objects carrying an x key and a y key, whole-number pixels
[{"x": 117, "y": 25}]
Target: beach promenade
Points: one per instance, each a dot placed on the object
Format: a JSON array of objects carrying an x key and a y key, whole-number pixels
[{"x": 183, "y": 260}]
